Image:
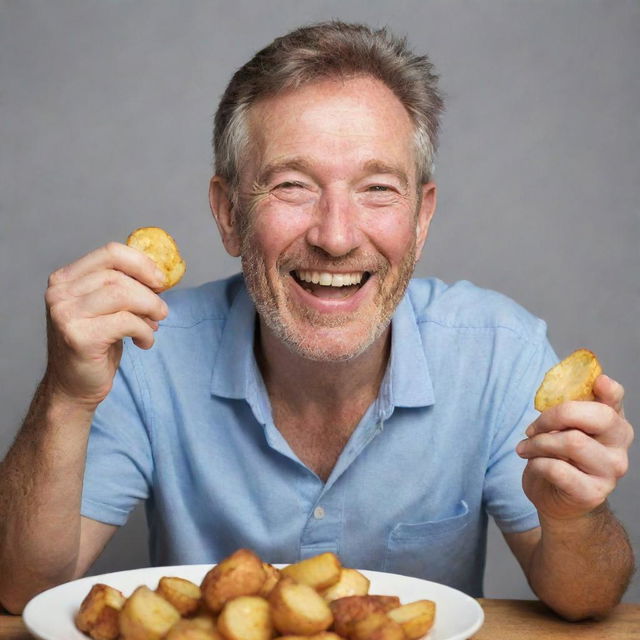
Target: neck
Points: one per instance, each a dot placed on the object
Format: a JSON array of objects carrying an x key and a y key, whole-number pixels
[{"x": 328, "y": 385}]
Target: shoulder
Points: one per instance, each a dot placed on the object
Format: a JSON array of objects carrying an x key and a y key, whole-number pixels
[
  {"x": 465, "y": 306},
  {"x": 209, "y": 302}
]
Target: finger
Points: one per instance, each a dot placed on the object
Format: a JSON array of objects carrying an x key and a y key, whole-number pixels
[
  {"x": 577, "y": 487},
  {"x": 609, "y": 392},
  {"x": 577, "y": 448},
  {"x": 135, "y": 297},
  {"x": 125, "y": 324},
  {"x": 113, "y": 255},
  {"x": 594, "y": 418},
  {"x": 152, "y": 323},
  {"x": 91, "y": 337},
  {"x": 85, "y": 284}
]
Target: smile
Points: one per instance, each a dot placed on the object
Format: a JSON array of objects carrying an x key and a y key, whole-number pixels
[{"x": 325, "y": 284}]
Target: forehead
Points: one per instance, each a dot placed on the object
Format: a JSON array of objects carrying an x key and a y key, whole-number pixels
[{"x": 357, "y": 120}]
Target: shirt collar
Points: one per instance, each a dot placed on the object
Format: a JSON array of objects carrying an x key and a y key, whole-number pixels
[
  {"x": 235, "y": 368},
  {"x": 406, "y": 383}
]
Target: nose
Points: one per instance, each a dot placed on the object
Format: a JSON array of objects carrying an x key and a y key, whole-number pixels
[{"x": 335, "y": 228}]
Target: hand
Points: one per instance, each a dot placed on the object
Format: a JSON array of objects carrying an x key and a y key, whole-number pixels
[
  {"x": 92, "y": 304},
  {"x": 576, "y": 453}
]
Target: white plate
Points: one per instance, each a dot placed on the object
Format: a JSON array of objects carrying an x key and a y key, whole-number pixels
[{"x": 49, "y": 615}]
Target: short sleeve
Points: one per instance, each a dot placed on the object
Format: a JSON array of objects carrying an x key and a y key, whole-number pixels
[
  {"x": 119, "y": 462},
  {"x": 504, "y": 498}
]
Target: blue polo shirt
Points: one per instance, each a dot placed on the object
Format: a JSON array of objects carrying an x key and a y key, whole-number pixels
[{"x": 187, "y": 427}]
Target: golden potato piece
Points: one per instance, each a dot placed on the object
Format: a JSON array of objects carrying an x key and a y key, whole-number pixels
[
  {"x": 240, "y": 574},
  {"x": 571, "y": 379},
  {"x": 272, "y": 576},
  {"x": 246, "y": 618},
  {"x": 146, "y": 616},
  {"x": 319, "y": 572},
  {"x": 182, "y": 594},
  {"x": 350, "y": 583},
  {"x": 323, "y": 635},
  {"x": 298, "y": 609},
  {"x": 415, "y": 618},
  {"x": 99, "y": 612},
  {"x": 377, "y": 626},
  {"x": 198, "y": 628},
  {"x": 162, "y": 249},
  {"x": 347, "y": 611}
]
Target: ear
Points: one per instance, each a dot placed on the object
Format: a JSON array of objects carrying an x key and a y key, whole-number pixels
[
  {"x": 425, "y": 214},
  {"x": 222, "y": 210}
]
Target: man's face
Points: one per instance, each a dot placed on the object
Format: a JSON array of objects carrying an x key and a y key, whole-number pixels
[{"x": 336, "y": 219}]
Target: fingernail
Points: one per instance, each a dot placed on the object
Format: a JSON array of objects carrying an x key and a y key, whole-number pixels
[
  {"x": 530, "y": 431},
  {"x": 521, "y": 447},
  {"x": 160, "y": 276}
]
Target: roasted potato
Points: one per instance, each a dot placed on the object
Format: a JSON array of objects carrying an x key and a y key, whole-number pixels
[
  {"x": 182, "y": 594},
  {"x": 415, "y": 618},
  {"x": 323, "y": 635},
  {"x": 350, "y": 583},
  {"x": 162, "y": 249},
  {"x": 347, "y": 611},
  {"x": 571, "y": 379},
  {"x": 244, "y": 598},
  {"x": 240, "y": 574},
  {"x": 146, "y": 616},
  {"x": 246, "y": 618},
  {"x": 319, "y": 572},
  {"x": 298, "y": 609},
  {"x": 272, "y": 576},
  {"x": 99, "y": 612},
  {"x": 198, "y": 628},
  {"x": 376, "y": 626}
]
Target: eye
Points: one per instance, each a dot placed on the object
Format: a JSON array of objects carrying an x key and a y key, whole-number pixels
[
  {"x": 380, "y": 188},
  {"x": 290, "y": 184}
]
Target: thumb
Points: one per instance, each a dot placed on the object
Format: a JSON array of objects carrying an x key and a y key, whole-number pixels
[{"x": 609, "y": 392}]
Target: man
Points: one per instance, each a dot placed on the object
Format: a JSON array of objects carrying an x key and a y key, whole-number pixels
[{"x": 321, "y": 402}]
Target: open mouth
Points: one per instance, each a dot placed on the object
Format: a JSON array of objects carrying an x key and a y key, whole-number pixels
[{"x": 324, "y": 284}]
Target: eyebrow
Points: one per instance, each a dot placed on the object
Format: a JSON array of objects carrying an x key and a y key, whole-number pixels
[
  {"x": 297, "y": 163},
  {"x": 375, "y": 166},
  {"x": 300, "y": 163}
]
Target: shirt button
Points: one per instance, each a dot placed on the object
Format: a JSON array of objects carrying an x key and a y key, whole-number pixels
[{"x": 318, "y": 513}]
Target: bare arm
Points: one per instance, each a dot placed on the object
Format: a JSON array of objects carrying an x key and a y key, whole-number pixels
[
  {"x": 579, "y": 561},
  {"x": 92, "y": 304},
  {"x": 581, "y": 570}
]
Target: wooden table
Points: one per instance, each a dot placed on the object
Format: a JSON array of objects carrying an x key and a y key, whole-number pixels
[{"x": 504, "y": 620}]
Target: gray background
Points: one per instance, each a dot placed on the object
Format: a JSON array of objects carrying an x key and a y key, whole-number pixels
[{"x": 105, "y": 116}]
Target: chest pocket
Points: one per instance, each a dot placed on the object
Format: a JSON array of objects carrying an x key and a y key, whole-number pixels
[{"x": 429, "y": 549}]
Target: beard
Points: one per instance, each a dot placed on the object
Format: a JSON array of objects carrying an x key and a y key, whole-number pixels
[{"x": 344, "y": 335}]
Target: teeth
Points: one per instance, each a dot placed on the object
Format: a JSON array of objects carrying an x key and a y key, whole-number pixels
[{"x": 327, "y": 279}]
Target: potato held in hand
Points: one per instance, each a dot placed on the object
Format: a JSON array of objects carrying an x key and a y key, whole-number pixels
[
  {"x": 99, "y": 612},
  {"x": 162, "y": 249},
  {"x": 571, "y": 379}
]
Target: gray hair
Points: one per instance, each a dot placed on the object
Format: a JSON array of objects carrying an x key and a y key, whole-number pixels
[{"x": 328, "y": 50}]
